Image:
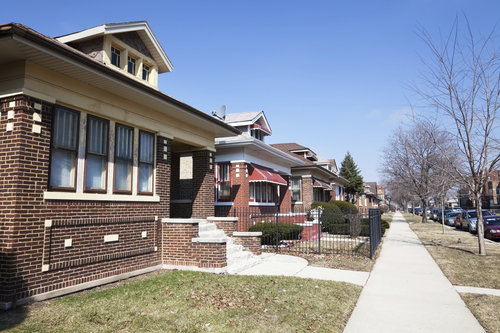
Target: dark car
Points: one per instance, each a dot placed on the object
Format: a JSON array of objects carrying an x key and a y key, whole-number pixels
[{"x": 492, "y": 227}]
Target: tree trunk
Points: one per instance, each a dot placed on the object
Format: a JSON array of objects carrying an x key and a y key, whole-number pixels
[
  {"x": 424, "y": 211},
  {"x": 480, "y": 225},
  {"x": 442, "y": 212}
]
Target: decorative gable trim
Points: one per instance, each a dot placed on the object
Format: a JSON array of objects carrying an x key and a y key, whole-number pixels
[{"x": 141, "y": 28}]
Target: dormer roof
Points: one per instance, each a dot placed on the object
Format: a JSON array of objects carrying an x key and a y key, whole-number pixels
[
  {"x": 254, "y": 119},
  {"x": 140, "y": 27}
]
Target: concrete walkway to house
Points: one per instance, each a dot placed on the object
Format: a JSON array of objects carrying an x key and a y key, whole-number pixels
[
  {"x": 407, "y": 292},
  {"x": 283, "y": 265}
]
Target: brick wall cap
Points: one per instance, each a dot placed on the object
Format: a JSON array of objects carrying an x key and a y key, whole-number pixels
[
  {"x": 210, "y": 240},
  {"x": 182, "y": 221},
  {"x": 247, "y": 234},
  {"x": 230, "y": 219}
]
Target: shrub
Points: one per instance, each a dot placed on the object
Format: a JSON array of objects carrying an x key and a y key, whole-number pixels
[
  {"x": 365, "y": 226},
  {"x": 345, "y": 207},
  {"x": 286, "y": 231}
]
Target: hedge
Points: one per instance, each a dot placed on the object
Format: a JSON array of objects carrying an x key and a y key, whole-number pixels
[
  {"x": 285, "y": 231},
  {"x": 345, "y": 207}
]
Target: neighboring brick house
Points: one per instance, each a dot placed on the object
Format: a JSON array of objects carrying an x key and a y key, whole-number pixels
[
  {"x": 369, "y": 199},
  {"x": 491, "y": 191},
  {"x": 315, "y": 180},
  {"x": 90, "y": 162},
  {"x": 249, "y": 172}
]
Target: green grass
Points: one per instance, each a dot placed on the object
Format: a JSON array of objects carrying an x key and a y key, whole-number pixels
[{"x": 194, "y": 302}]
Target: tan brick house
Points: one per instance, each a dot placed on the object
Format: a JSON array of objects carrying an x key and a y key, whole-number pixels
[{"x": 90, "y": 154}]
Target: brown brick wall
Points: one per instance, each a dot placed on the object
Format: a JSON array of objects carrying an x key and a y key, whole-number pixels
[
  {"x": 26, "y": 243},
  {"x": 250, "y": 243},
  {"x": 179, "y": 249},
  {"x": 229, "y": 227},
  {"x": 203, "y": 184}
]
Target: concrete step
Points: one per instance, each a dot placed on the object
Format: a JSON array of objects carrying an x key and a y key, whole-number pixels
[
  {"x": 212, "y": 234},
  {"x": 203, "y": 227},
  {"x": 242, "y": 265},
  {"x": 239, "y": 257},
  {"x": 233, "y": 248}
]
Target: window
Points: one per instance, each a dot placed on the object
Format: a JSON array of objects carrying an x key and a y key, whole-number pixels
[
  {"x": 262, "y": 192},
  {"x": 124, "y": 143},
  {"x": 223, "y": 182},
  {"x": 97, "y": 154},
  {"x": 296, "y": 188},
  {"x": 146, "y": 70},
  {"x": 115, "y": 56},
  {"x": 146, "y": 154},
  {"x": 131, "y": 65},
  {"x": 64, "y": 149}
]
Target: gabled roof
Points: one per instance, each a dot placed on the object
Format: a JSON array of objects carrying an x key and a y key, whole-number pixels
[
  {"x": 293, "y": 148},
  {"x": 141, "y": 27},
  {"x": 249, "y": 118}
]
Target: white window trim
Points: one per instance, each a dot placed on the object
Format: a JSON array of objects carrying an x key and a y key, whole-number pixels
[
  {"x": 79, "y": 194},
  {"x": 251, "y": 203},
  {"x": 52, "y": 195}
]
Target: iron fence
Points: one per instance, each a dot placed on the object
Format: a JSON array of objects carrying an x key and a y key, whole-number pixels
[{"x": 288, "y": 231}]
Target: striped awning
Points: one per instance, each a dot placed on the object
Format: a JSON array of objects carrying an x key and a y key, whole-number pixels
[
  {"x": 321, "y": 184},
  {"x": 259, "y": 173}
]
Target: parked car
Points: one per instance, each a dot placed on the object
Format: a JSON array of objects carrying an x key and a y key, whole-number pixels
[
  {"x": 418, "y": 211},
  {"x": 449, "y": 217},
  {"x": 492, "y": 227},
  {"x": 469, "y": 219}
]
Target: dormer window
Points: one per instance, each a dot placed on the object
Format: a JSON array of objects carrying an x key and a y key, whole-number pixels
[
  {"x": 257, "y": 134},
  {"x": 115, "y": 56},
  {"x": 131, "y": 65},
  {"x": 146, "y": 70}
]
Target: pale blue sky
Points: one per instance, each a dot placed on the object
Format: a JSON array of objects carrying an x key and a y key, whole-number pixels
[{"x": 330, "y": 75}]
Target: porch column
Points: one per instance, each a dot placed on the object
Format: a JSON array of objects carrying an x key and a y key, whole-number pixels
[{"x": 203, "y": 184}]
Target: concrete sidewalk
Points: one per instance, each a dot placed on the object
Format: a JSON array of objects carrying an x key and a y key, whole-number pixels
[
  {"x": 283, "y": 265},
  {"x": 407, "y": 292}
]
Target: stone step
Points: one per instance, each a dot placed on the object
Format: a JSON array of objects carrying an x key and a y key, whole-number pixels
[{"x": 238, "y": 257}]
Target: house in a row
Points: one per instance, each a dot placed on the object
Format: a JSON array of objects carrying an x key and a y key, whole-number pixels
[
  {"x": 315, "y": 180},
  {"x": 93, "y": 163}
]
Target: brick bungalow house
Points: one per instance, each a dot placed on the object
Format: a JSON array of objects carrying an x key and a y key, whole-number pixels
[
  {"x": 315, "y": 180},
  {"x": 90, "y": 159},
  {"x": 249, "y": 172},
  {"x": 369, "y": 199}
]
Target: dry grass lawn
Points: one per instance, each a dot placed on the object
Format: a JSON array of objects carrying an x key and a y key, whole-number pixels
[
  {"x": 456, "y": 253},
  {"x": 180, "y": 301},
  {"x": 485, "y": 308}
]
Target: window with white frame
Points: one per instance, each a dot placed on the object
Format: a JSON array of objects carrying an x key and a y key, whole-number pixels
[
  {"x": 262, "y": 192},
  {"x": 223, "y": 182},
  {"x": 116, "y": 56},
  {"x": 93, "y": 176},
  {"x": 64, "y": 149},
  {"x": 296, "y": 188},
  {"x": 97, "y": 154},
  {"x": 131, "y": 65},
  {"x": 146, "y": 71}
]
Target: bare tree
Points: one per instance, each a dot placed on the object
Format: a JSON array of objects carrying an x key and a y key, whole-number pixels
[
  {"x": 413, "y": 160},
  {"x": 462, "y": 85}
]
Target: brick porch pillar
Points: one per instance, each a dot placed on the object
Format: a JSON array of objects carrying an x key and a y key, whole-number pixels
[{"x": 203, "y": 184}]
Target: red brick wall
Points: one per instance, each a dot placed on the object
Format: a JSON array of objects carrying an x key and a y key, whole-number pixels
[{"x": 26, "y": 243}]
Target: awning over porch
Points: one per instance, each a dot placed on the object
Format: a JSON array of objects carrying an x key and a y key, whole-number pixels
[
  {"x": 321, "y": 184},
  {"x": 259, "y": 173}
]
